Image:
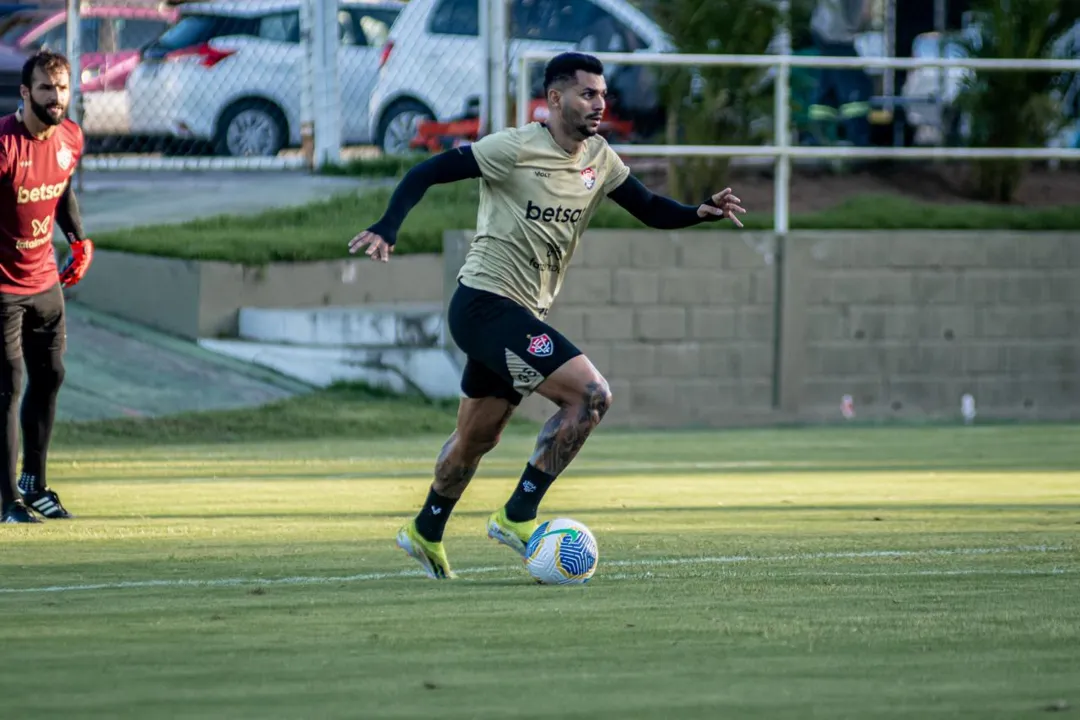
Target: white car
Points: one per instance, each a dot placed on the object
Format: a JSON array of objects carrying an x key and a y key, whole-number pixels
[
  {"x": 432, "y": 64},
  {"x": 230, "y": 74}
]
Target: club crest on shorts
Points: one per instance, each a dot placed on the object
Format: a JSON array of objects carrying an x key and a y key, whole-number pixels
[
  {"x": 541, "y": 345},
  {"x": 588, "y": 177},
  {"x": 64, "y": 157}
]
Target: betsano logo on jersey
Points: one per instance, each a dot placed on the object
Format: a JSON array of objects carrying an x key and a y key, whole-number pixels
[
  {"x": 43, "y": 192},
  {"x": 556, "y": 214}
]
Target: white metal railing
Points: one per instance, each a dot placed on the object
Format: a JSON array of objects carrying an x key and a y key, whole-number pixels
[{"x": 781, "y": 149}]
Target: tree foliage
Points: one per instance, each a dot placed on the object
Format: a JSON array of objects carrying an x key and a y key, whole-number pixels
[
  {"x": 1012, "y": 108},
  {"x": 715, "y": 105}
]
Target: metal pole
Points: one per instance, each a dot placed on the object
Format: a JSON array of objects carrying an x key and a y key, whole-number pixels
[
  {"x": 922, "y": 152},
  {"x": 499, "y": 65},
  {"x": 523, "y": 92},
  {"x": 889, "y": 84},
  {"x": 781, "y": 111},
  {"x": 326, "y": 94},
  {"x": 818, "y": 61},
  {"x": 486, "y": 48},
  {"x": 889, "y": 34},
  {"x": 73, "y": 52},
  {"x": 307, "y": 125},
  {"x": 939, "y": 28},
  {"x": 782, "y": 180}
]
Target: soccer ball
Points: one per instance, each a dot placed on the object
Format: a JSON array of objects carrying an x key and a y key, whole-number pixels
[{"x": 561, "y": 552}]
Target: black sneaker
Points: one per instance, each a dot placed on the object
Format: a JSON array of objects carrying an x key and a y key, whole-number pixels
[
  {"x": 16, "y": 512},
  {"x": 47, "y": 503}
]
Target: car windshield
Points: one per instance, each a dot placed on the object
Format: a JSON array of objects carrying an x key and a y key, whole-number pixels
[
  {"x": 16, "y": 28},
  {"x": 196, "y": 29}
]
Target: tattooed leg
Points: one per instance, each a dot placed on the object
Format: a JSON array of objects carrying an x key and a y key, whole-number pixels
[
  {"x": 455, "y": 467},
  {"x": 566, "y": 431},
  {"x": 480, "y": 424},
  {"x": 580, "y": 411}
]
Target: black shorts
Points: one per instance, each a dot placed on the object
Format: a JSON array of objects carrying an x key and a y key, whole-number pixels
[
  {"x": 33, "y": 325},
  {"x": 510, "y": 352}
]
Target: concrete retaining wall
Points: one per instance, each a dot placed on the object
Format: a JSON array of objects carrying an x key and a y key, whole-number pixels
[
  {"x": 203, "y": 299},
  {"x": 907, "y": 323},
  {"x": 715, "y": 328},
  {"x": 683, "y": 324}
]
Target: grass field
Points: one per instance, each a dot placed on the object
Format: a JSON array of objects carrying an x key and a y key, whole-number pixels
[
  {"x": 321, "y": 231},
  {"x": 839, "y": 573}
]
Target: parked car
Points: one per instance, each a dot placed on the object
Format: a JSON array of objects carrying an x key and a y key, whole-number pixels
[
  {"x": 16, "y": 24},
  {"x": 110, "y": 38},
  {"x": 432, "y": 65},
  {"x": 11, "y": 63},
  {"x": 10, "y": 8},
  {"x": 229, "y": 74}
]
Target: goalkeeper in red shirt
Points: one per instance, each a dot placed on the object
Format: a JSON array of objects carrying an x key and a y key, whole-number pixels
[{"x": 39, "y": 151}]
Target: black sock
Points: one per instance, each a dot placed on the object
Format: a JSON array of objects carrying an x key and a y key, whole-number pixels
[
  {"x": 431, "y": 521},
  {"x": 527, "y": 495},
  {"x": 29, "y": 484}
]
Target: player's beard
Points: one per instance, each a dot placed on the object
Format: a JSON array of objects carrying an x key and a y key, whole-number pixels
[
  {"x": 45, "y": 116},
  {"x": 581, "y": 124}
]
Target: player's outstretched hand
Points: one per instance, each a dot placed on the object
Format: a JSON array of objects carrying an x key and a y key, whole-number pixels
[
  {"x": 378, "y": 249},
  {"x": 82, "y": 254},
  {"x": 722, "y": 205}
]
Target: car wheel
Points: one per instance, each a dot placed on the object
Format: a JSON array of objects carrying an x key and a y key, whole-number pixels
[
  {"x": 251, "y": 128},
  {"x": 398, "y": 126}
]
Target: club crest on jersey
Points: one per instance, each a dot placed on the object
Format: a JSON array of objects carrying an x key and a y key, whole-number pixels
[
  {"x": 64, "y": 157},
  {"x": 588, "y": 177},
  {"x": 541, "y": 346}
]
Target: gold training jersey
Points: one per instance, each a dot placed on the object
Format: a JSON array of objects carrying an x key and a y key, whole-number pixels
[{"x": 535, "y": 201}]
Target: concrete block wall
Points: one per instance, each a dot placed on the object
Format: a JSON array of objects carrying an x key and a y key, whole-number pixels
[
  {"x": 199, "y": 299},
  {"x": 907, "y": 323},
  {"x": 682, "y": 324}
]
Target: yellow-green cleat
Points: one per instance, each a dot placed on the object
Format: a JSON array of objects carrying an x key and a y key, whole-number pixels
[
  {"x": 430, "y": 555},
  {"x": 514, "y": 535}
]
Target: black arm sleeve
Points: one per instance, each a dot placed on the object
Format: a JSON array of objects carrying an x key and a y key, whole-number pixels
[
  {"x": 68, "y": 217},
  {"x": 654, "y": 210},
  {"x": 447, "y": 167}
]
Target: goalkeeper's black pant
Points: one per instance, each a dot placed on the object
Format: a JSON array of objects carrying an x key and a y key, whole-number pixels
[{"x": 35, "y": 336}]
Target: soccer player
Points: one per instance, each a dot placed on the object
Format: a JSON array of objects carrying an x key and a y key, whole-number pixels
[
  {"x": 39, "y": 150},
  {"x": 539, "y": 185}
]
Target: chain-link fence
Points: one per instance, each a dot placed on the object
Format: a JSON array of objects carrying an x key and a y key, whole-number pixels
[
  {"x": 284, "y": 83},
  {"x": 437, "y": 62},
  {"x": 252, "y": 80},
  {"x": 248, "y": 80}
]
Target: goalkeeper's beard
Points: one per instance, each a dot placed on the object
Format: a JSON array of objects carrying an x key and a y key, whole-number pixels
[{"x": 45, "y": 116}]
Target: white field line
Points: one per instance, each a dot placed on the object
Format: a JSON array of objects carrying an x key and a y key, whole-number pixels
[
  {"x": 891, "y": 574},
  {"x": 646, "y": 563}
]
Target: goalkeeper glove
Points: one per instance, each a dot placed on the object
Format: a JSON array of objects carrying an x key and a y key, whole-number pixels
[{"x": 82, "y": 253}]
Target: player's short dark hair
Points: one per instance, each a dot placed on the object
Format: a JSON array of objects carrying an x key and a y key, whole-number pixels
[
  {"x": 565, "y": 67},
  {"x": 47, "y": 60}
]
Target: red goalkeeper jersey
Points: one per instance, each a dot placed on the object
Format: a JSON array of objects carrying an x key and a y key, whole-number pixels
[{"x": 33, "y": 176}]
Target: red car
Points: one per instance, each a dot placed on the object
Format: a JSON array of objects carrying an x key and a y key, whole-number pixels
[{"x": 110, "y": 41}]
